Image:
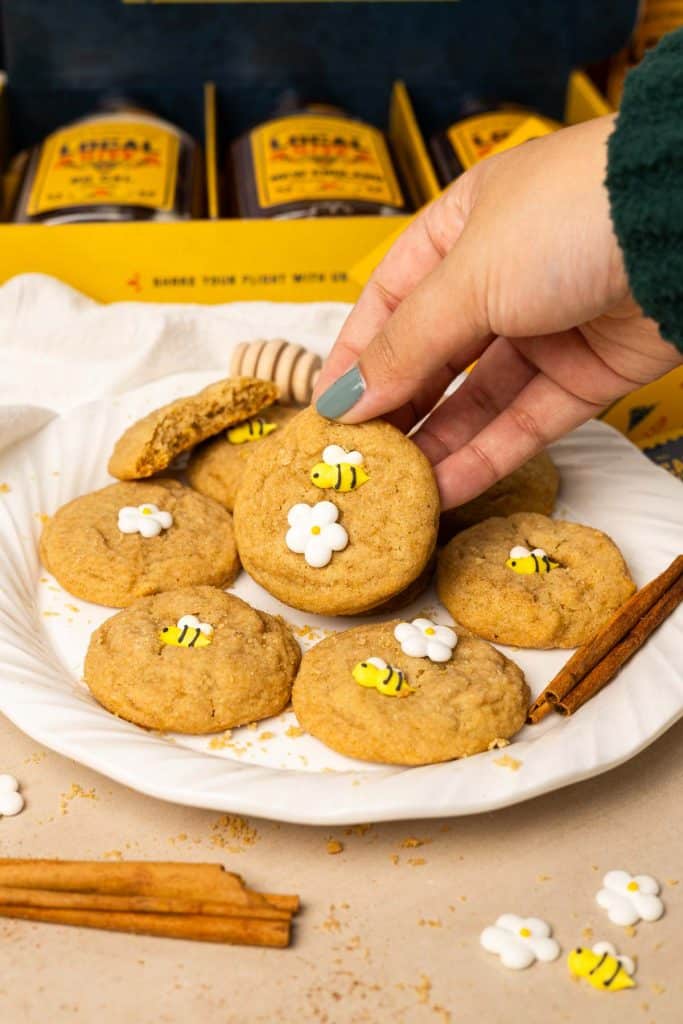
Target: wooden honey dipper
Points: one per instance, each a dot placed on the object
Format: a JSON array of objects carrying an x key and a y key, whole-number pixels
[{"x": 293, "y": 368}]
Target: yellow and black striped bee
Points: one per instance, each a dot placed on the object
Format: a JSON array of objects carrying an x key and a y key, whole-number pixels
[
  {"x": 250, "y": 430},
  {"x": 602, "y": 967},
  {"x": 189, "y": 632},
  {"x": 526, "y": 562},
  {"x": 341, "y": 470},
  {"x": 374, "y": 672}
]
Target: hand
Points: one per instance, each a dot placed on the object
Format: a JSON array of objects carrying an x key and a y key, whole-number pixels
[{"x": 516, "y": 265}]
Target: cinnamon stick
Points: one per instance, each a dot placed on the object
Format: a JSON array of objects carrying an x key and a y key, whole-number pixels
[
  {"x": 607, "y": 668},
  {"x": 588, "y": 656},
  {"x": 538, "y": 710},
  {"x": 67, "y": 900},
  {"x": 204, "y": 928}
]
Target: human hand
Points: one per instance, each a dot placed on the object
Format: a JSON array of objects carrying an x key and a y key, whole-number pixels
[{"x": 516, "y": 265}]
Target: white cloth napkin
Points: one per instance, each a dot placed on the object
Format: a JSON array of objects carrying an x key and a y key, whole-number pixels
[{"x": 59, "y": 349}]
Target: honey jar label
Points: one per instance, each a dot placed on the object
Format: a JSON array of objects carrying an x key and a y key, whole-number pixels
[
  {"x": 106, "y": 162},
  {"x": 308, "y": 158},
  {"x": 476, "y": 137}
]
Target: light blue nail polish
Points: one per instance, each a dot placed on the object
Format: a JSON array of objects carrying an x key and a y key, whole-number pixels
[{"x": 342, "y": 395}]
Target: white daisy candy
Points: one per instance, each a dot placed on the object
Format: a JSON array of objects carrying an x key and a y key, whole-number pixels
[
  {"x": 334, "y": 454},
  {"x": 519, "y": 941},
  {"x": 192, "y": 622},
  {"x": 147, "y": 520},
  {"x": 11, "y": 800},
  {"x": 315, "y": 533},
  {"x": 630, "y": 898},
  {"x": 422, "y": 638}
]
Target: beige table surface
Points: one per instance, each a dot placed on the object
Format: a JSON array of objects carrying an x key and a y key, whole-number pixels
[{"x": 390, "y": 926}]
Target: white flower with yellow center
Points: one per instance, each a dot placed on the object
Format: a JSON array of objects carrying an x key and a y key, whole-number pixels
[
  {"x": 630, "y": 898},
  {"x": 148, "y": 520},
  {"x": 422, "y": 638},
  {"x": 315, "y": 533},
  {"x": 519, "y": 941}
]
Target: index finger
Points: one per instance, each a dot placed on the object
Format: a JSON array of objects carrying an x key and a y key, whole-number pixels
[{"x": 420, "y": 248}]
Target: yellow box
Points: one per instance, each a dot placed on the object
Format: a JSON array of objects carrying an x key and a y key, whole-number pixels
[{"x": 218, "y": 260}]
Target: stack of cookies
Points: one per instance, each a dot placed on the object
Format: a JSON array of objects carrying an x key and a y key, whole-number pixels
[{"x": 330, "y": 519}]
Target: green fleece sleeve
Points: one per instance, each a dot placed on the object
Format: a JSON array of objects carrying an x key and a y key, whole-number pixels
[{"x": 645, "y": 184}]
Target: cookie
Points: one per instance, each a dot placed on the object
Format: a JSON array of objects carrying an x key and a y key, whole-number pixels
[
  {"x": 133, "y": 539},
  {"x": 531, "y": 581},
  {"x": 150, "y": 445},
  {"x": 360, "y": 693},
  {"x": 531, "y": 488},
  {"x": 336, "y": 519},
  {"x": 216, "y": 467},
  {"x": 194, "y": 660}
]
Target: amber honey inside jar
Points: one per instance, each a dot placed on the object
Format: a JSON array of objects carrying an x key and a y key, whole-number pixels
[
  {"x": 315, "y": 161},
  {"x": 120, "y": 164}
]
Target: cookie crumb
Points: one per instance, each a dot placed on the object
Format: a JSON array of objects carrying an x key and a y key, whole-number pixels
[
  {"x": 498, "y": 743},
  {"x": 631, "y": 931},
  {"x": 294, "y": 731},
  {"x": 334, "y": 846},
  {"x": 417, "y": 862},
  {"x": 412, "y": 842},
  {"x": 508, "y": 762},
  {"x": 357, "y": 830},
  {"x": 267, "y": 735},
  {"x": 42, "y": 517},
  {"x": 543, "y": 878},
  {"x": 75, "y": 791},
  {"x": 587, "y": 934},
  {"x": 220, "y": 742},
  {"x": 672, "y": 881},
  {"x": 113, "y": 854},
  {"x": 5, "y": 488},
  {"x": 430, "y": 922},
  {"x": 233, "y": 833},
  {"x": 658, "y": 989}
]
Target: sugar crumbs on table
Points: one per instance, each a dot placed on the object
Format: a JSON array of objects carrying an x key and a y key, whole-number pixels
[
  {"x": 672, "y": 881},
  {"x": 113, "y": 854},
  {"x": 72, "y": 607},
  {"x": 334, "y": 846},
  {"x": 412, "y": 842},
  {"x": 416, "y": 862},
  {"x": 233, "y": 833},
  {"x": 73, "y": 793},
  {"x": 658, "y": 989},
  {"x": 631, "y": 931},
  {"x": 394, "y": 858},
  {"x": 508, "y": 762},
  {"x": 587, "y": 934},
  {"x": 294, "y": 732},
  {"x": 428, "y": 922},
  {"x": 357, "y": 830},
  {"x": 267, "y": 735},
  {"x": 543, "y": 878},
  {"x": 332, "y": 922}
]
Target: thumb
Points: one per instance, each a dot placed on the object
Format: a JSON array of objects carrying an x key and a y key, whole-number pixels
[{"x": 442, "y": 322}]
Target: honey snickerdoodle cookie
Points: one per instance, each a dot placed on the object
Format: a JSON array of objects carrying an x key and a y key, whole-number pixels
[
  {"x": 336, "y": 519},
  {"x": 531, "y": 488},
  {"x": 216, "y": 467},
  {"x": 531, "y": 581},
  {"x": 408, "y": 693},
  {"x": 129, "y": 540},
  {"x": 151, "y": 444},
  {"x": 194, "y": 660}
]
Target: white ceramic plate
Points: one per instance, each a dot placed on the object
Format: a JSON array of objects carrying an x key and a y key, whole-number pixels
[{"x": 270, "y": 771}]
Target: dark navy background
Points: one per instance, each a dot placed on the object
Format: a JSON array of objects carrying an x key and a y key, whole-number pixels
[{"x": 63, "y": 56}]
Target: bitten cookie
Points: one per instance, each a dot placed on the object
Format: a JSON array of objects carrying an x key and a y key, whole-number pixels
[
  {"x": 531, "y": 581},
  {"x": 133, "y": 539},
  {"x": 408, "y": 693},
  {"x": 336, "y": 519},
  {"x": 150, "y": 445},
  {"x": 531, "y": 488},
  {"x": 194, "y": 660},
  {"x": 216, "y": 467}
]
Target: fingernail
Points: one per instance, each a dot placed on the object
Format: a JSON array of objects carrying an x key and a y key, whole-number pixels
[{"x": 342, "y": 395}]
